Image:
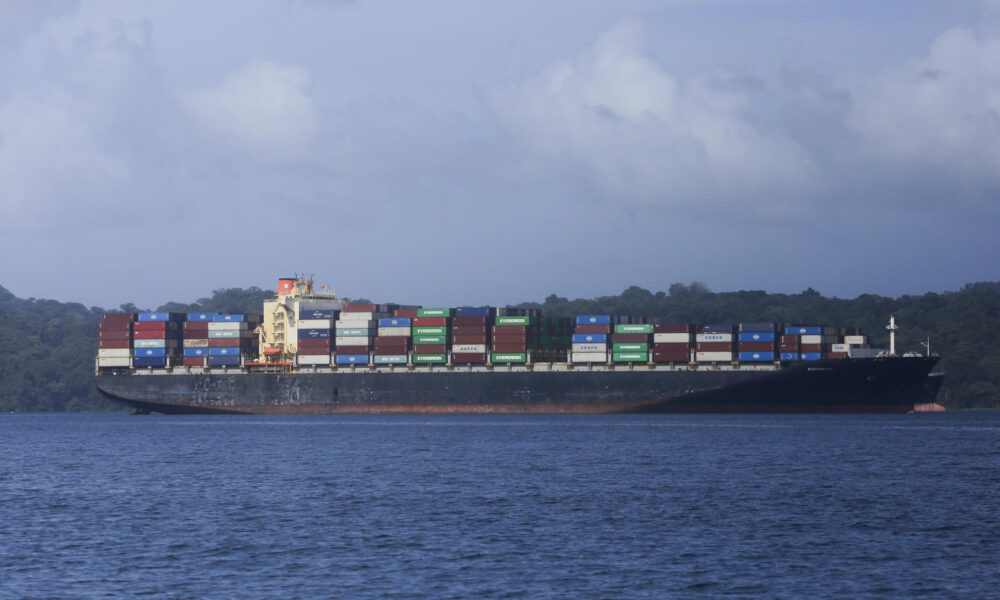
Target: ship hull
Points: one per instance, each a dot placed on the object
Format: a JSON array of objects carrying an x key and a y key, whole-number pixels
[{"x": 876, "y": 385}]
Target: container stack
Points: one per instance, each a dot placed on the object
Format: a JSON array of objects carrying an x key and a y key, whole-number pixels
[
  {"x": 355, "y": 332},
  {"x": 757, "y": 342},
  {"x": 155, "y": 339},
  {"x": 630, "y": 342},
  {"x": 809, "y": 338},
  {"x": 590, "y": 339},
  {"x": 555, "y": 339},
  {"x": 672, "y": 343},
  {"x": 228, "y": 339},
  {"x": 470, "y": 335},
  {"x": 315, "y": 336},
  {"x": 513, "y": 335},
  {"x": 714, "y": 343},
  {"x": 194, "y": 339},
  {"x": 392, "y": 344},
  {"x": 114, "y": 340}
]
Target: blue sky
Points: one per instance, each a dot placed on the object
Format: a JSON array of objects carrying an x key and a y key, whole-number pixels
[{"x": 449, "y": 153}]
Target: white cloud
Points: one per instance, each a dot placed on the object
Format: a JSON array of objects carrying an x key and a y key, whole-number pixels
[{"x": 263, "y": 110}]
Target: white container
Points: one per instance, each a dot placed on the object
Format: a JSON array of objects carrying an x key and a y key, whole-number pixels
[
  {"x": 672, "y": 338},
  {"x": 856, "y": 340},
  {"x": 357, "y": 316},
  {"x": 714, "y": 337},
  {"x": 590, "y": 357},
  {"x": 114, "y": 362},
  {"x": 394, "y": 331},
  {"x": 468, "y": 348},
  {"x": 227, "y": 326},
  {"x": 359, "y": 340},
  {"x": 356, "y": 324},
  {"x": 713, "y": 356},
  {"x": 585, "y": 348},
  {"x": 196, "y": 343},
  {"x": 812, "y": 339},
  {"x": 149, "y": 343},
  {"x": 839, "y": 347},
  {"x": 315, "y": 324},
  {"x": 314, "y": 359},
  {"x": 113, "y": 353}
]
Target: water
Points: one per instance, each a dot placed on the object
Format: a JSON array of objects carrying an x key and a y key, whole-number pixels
[{"x": 500, "y": 506}]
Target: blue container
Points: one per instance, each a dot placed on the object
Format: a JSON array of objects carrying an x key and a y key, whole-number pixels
[
  {"x": 149, "y": 361},
  {"x": 481, "y": 311},
  {"x": 756, "y": 336},
  {"x": 196, "y": 351},
  {"x": 223, "y": 361},
  {"x": 811, "y": 356},
  {"x": 224, "y": 351},
  {"x": 803, "y": 330},
  {"x": 787, "y": 356},
  {"x": 756, "y": 356},
  {"x": 206, "y": 317},
  {"x": 318, "y": 313},
  {"x": 352, "y": 359},
  {"x": 593, "y": 320},
  {"x": 149, "y": 352},
  {"x": 590, "y": 338},
  {"x": 395, "y": 322},
  {"x": 154, "y": 316},
  {"x": 717, "y": 329},
  {"x": 224, "y": 318},
  {"x": 314, "y": 334}
]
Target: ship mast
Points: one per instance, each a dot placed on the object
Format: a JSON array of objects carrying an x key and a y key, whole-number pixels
[{"x": 892, "y": 334}]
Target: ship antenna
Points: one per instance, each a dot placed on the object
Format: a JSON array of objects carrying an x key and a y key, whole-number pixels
[
  {"x": 892, "y": 334},
  {"x": 927, "y": 345}
]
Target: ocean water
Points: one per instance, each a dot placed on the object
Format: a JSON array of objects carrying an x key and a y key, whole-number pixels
[{"x": 645, "y": 506}]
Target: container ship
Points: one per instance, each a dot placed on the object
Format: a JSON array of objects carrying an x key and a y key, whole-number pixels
[{"x": 310, "y": 352}]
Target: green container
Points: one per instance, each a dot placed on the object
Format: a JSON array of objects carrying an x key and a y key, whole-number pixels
[
  {"x": 430, "y": 331},
  {"x": 429, "y": 339},
  {"x": 630, "y": 347},
  {"x": 633, "y": 328},
  {"x": 629, "y": 357},
  {"x": 390, "y": 359},
  {"x": 425, "y": 359},
  {"x": 507, "y": 357},
  {"x": 525, "y": 320},
  {"x": 433, "y": 312}
]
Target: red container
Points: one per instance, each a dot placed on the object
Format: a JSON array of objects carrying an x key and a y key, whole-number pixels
[
  {"x": 756, "y": 347},
  {"x": 150, "y": 335},
  {"x": 195, "y": 326},
  {"x": 224, "y": 343},
  {"x": 114, "y": 343},
  {"x": 360, "y": 308},
  {"x": 313, "y": 351},
  {"x": 468, "y": 359},
  {"x": 116, "y": 334},
  {"x": 510, "y": 339},
  {"x": 430, "y": 321},
  {"x": 672, "y": 328},
  {"x": 457, "y": 321},
  {"x": 671, "y": 347},
  {"x": 468, "y": 329},
  {"x": 345, "y": 350},
  {"x": 714, "y": 347},
  {"x": 153, "y": 326},
  {"x": 405, "y": 313},
  {"x": 622, "y": 338},
  {"x": 518, "y": 348},
  {"x": 197, "y": 336},
  {"x": 316, "y": 343},
  {"x": 430, "y": 349},
  {"x": 193, "y": 361},
  {"x": 791, "y": 339},
  {"x": 593, "y": 329},
  {"x": 117, "y": 318},
  {"x": 668, "y": 357},
  {"x": 789, "y": 348},
  {"x": 837, "y": 355},
  {"x": 468, "y": 339},
  {"x": 509, "y": 329},
  {"x": 811, "y": 347}
]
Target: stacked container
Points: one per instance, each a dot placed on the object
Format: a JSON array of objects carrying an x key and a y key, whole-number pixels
[
  {"x": 672, "y": 343},
  {"x": 471, "y": 330},
  {"x": 555, "y": 338},
  {"x": 430, "y": 329},
  {"x": 315, "y": 335},
  {"x": 630, "y": 342},
  {"x": 194, "y": 339},
  {"x": 155, "y": 337},
  {"x": 114, "y": 340},
  {"x": 355, "y": 333},
  {"x": 757, "y": 342},
  {"x": 392, "y": 344},
  {"x": 590, "y": 339},
  {"x": 810, "y": 340},
  {"x": 714, "y": 343},
  {"x": 513, "y": 335},
  {"x": 228, "y": 339}
]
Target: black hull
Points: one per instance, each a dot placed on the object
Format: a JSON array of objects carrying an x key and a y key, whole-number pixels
[{"x": 827, "y": 386}]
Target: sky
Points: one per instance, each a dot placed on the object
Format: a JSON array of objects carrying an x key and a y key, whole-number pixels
[{"x": 455, "y": 153}]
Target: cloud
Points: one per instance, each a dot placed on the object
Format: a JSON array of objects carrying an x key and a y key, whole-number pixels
[
  {"x": 263, "y": 111},
  {"x": 646, "y": 137}
]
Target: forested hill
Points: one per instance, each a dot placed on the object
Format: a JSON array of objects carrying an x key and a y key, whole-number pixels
[{"x": 47, "y": 358}]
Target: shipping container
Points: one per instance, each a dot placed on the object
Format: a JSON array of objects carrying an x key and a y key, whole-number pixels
[
  {"x": 630, "y": 357},
  {"x": 305, "y": 334},
  {"x": 756, "y": 336},
  {"x": 359, "y": 324},
  {"x": 804, "y": 330},
  {"x": 495, "y": 347},
  {"x": 589, "y": 348},
  {"x": 593, "y": 320},
  {"x": 119, "y": 334},
  {"x": 315, "y": 324},
  {"x": 114, "y": 362},
  {"x": 468, "y": 348},
  {"x": 671, "y": 347},
  {"x": 590, "y": 338},
  {"x": 430, "y": 331},
  {"x": 196, "y": 352},
  {"x": 755, "y": 347},
  {"x": 395, "y": 322},
  {"x": 351, "y": 359},
  {"x": 839, "y": 347},
  {"x": 149, "y": 361},
  {"x": 671, "y": 338},
  {"x": 228, "y": 318},
  {"x": 354, "y": 332},
  {"x": 513, "y": 320},
  {"x": 327, "y": 314},
  {"x": 113, "y": 353},
  {"x": 811, "y": 339},
  {"x": 717, "y": 328},
  {"x": 606, "y": 329},
  {"x": 468, "y": 359},
  {"x": 788, "y": 356},
  {"x": 360, "y": 308},
  {"x": 227, "y": 326},
  {"x": 315, "y": 343},
  {"x": 671, "y": 356},
  {"x": 856, "y": 340},
  {"x": 313, "y": 359},
  {"x": 403, "y": 332},
  {"x": 225, "y": 343},
  {"x": 195, "y": 343},
  {"x": 465, "y": 321},
  {"x": 114, "y": 344},
  {"x": 231, "y": 351},
  {"x": 757, "y": 327},
  {"x": 507, "y": 357},
  {"x": 150, "y": 352},
  {"x": 390, "y": 359},
  {"x": 433, "y": 312},
  {"x": 714, "y": 356},
  {"x": 426, "y": 359},
  {"x": 158, "y": 343},
  {"x": 155, "y": 316},
  {"x": 714, "y": 337},
  {"x": 200, "y": 317},
  {"x": 354, "y": 317},
  {"x": 589, "y": 357},
  {"x": 633, "y": 328},
  {"x": 117, "y": 318},
  {"x": 348, "y": 350},
  {"x": 714, "y": 346},
  {"x": 193, "y": 361},
  {"x": 148, "y": 326},
  {"x": 223, "y": 361},
  {"x": 307, "y": 351},
  {"x": 756, "y": 356},
  {"x": 431, "y": 349},
  {"x": 629, "y": 347},
  {"x": 430, "y": 322},
  {"x": 221, "y": 335},
  {"x": 811, "y": 348},
  {"x": 420, "y": 340},
  {"x": 481, "y": 311},
  {"x": 684, "y": 328}
]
